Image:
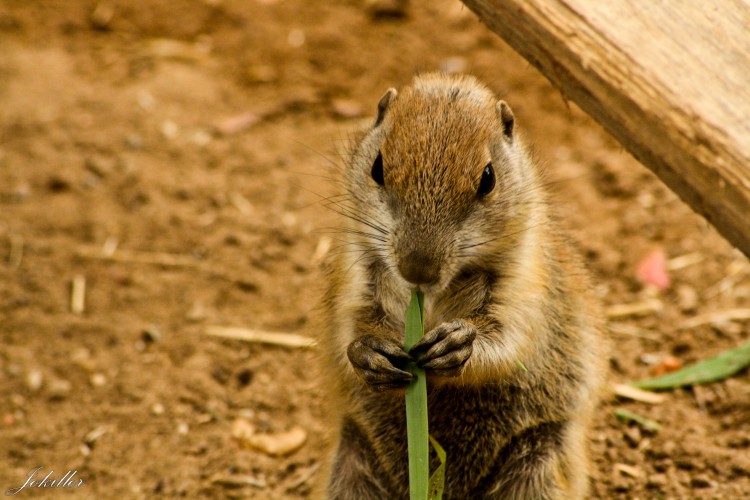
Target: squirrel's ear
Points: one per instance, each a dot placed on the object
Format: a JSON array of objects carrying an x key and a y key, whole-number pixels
[
  {"x": 383, "y": 104},
  {"x": 505, "y": 115}
]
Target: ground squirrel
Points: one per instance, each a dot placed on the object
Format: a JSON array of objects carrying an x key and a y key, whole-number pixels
[{"x": 441, "y": 196}]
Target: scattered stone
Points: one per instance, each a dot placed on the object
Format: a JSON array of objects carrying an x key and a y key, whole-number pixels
[
  {"x": 134, "y": 141},
  {"x": 98, "y": 380},
  {"x": 701, "y": 481},
  {"x": 237, "y": 123},
  {"x": 687, "y": 298},
  {"x": 102, "y": 15},
  {"x": 684, "y": 463},
  {"x": 157, "y": 409},
  {"x": 632, "y": 436},
  {"x": 275, "y": 444},
  {"x": 657, "y": 481},
  {"x": 621, "y": 484},
  {"x": 239, "y": 481},
  {"x": 81, "y": 357},
  {"x": 182, "y": 428},
  {"x": 59, "y": 389},
  {"x": 662, "y": 465},
  {"x": 34, "y": 380},
  {"x": 296, "y": 38},
  {"x": 169, "y": 129},
  {"x": 151, "y": 334},
  {"x": 99, "y": 165}
]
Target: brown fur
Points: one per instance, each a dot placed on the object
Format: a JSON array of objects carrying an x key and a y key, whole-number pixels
[{"x": 504, "y": 269}]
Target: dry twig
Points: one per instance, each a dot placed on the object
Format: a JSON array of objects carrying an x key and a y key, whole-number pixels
[
  {"x": 248, "y": 335},
  {"x": 78, "y": 294},
  {"x": 716, "y": 318},
  {"x": 641, "y": 308},
  {"x": 630, "y": 392}
]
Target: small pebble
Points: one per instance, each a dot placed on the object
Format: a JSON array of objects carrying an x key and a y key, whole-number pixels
[
  {"x": 151, "y": 334},
  {"x": 34, "y": 380},
  {"x": 687, "y": 298},
  {"x": 101, "y": 166},
  {"x": 98, "y": 380},
  {"x": 59, "y": 388},
  {"x": 182, "y": 428},
  {"x": 102, "y": 15},
  {"x": 296, "y": 38},
  {"x": 157, "y": 409},
  {"x": 81, "y": 357},
  {"x": 632, "y": 436},
  {"x": 656, "y": 481},
  {"x": 701, "y": 481},
  {"x": 134, "y": 141},
  {"x": 169, "y": 129}
]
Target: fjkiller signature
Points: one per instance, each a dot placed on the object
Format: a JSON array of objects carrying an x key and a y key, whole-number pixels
[{"x": 35, "y": 480}]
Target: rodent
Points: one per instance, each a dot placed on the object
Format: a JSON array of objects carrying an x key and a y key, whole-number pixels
[{"x": 440, "y": 195}]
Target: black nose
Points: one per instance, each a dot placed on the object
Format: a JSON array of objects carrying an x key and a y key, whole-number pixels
[{"x": 418, "y": 268}]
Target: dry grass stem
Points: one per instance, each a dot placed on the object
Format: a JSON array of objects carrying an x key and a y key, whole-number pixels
[
  {"x": 630, "y": 392},
  {"x": 109, "y": 247},
  {"x": 238, "y": 481},
  {"x": 259, "y": 336},
  {"x": 641, "y": 308},
  {"x": 716, "y": 318},
  {"x": 628, "y": 470},
  {"x": 240, "y": 203},
  {"x": 78, "y": 294},
  {"x": 683, "y": 261},
  {"x": 16, "y": 250},
  {"x": 633, "y": 331}
]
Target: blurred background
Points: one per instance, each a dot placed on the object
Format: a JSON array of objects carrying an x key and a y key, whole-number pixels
[{"x": 162, "y": 166}]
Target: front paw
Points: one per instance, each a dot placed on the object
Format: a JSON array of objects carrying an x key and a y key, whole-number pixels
[
  {"x": 379, "y": 362},
  {"x": 444, "y": 350}
]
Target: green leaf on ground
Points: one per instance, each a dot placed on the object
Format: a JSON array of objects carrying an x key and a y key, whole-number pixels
[{"x": 715, "y": 369}]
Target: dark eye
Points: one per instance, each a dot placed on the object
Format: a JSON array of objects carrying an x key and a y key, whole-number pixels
[
  {"x": 377, "y": 170},
  {"x": 487, "y": 183}
]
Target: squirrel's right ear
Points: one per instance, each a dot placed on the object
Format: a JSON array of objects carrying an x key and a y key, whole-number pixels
[
  {"x": 383, "y": 104},
  {"x": 506, "y": 118}
]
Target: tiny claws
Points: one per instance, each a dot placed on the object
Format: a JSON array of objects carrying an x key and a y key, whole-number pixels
[
  {"x": 379, "y": 362},
  {"x": 444, "y": 350}
]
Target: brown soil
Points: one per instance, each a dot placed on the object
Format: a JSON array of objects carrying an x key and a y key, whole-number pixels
[{"x": 110, "y": 134}]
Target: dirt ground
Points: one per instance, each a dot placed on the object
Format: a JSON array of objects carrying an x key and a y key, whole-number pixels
[{"x": 172, "y": 154}]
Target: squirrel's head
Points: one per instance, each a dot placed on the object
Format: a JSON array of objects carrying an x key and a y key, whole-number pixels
[{"x": 437, "y": 180}]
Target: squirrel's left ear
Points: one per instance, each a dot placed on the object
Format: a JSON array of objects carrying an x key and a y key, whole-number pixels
[
  {"x": 505, "y": 115},
  {"x": 383, "y": 104}
]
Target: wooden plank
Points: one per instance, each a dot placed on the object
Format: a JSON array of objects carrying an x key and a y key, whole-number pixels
[{"x": 669, "y": 80}]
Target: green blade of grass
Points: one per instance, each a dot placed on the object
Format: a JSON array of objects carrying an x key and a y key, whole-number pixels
[
  {"x": 416, "y": 407},
  {"x": 437, "y": 480},
  {"x": 646, "y": 423},
  {"x": 718, "y": 368}
]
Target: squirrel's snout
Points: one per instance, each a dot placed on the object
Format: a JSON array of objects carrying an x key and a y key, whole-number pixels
[{"x": 419, "y": 268}]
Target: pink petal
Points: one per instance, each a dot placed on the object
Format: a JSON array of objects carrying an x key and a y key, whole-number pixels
[{"x": 652, "y": 270}]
